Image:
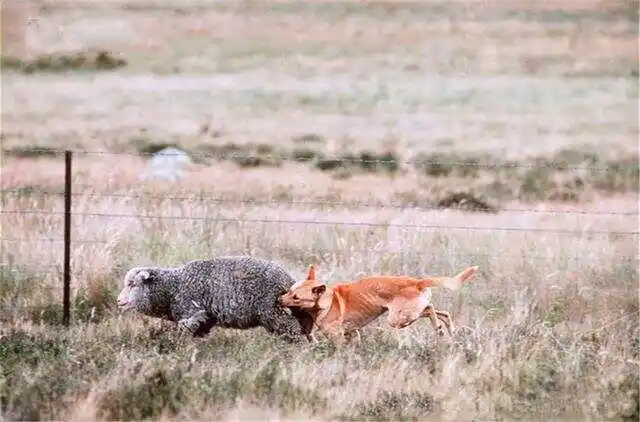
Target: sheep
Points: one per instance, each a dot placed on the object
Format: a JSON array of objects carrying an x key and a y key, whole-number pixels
[{"x": 231, "y": 292}]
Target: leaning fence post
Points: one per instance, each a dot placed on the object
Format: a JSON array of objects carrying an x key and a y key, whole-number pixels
[{"x": 66, "y": 300}]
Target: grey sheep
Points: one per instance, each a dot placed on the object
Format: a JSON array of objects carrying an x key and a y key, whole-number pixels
[{"x": 232, "y": 292}]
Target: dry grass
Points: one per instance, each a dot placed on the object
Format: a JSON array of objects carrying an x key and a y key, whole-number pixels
[
  {"x": 548, "y": 329},
  {"x": 530, "y": 104},
  {"x": 14, "y": 17},
  {"x": 571, "y": 176},
  {"x": 420, "y": 76}
]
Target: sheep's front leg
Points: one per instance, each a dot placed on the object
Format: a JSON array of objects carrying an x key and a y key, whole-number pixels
[{"x": 198, "y": 324}]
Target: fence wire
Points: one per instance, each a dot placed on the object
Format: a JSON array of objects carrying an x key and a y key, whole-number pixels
[{"x": 363, "y": 248}]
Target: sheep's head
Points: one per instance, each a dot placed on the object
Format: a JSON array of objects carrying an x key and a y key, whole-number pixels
[{"x": 137, "y": 292}]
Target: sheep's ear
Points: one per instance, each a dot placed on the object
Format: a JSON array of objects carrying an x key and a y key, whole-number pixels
[
  {"x": 311, "y": 273},
  {"x": 145, "y": 276},
  {"x": 318, "y": 290}
]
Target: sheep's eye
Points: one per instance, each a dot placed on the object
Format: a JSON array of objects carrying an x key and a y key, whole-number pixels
[{"x": 295, "y": 297}]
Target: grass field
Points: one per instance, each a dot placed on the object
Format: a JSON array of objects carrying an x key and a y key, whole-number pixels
[{"x": 367, "y": 137}]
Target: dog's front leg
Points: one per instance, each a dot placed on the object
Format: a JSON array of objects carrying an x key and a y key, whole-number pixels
[
  {"x": 351, "y": 335},
  {"x": 311, "y": 337},
  {"x": 336, "y": 334}
]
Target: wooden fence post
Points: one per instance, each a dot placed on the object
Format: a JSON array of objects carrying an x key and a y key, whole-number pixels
[{"x": 66, "y": 295}]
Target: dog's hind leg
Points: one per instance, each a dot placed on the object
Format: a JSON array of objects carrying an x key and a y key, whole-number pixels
[
  {"x": 402, "y": 313},
  {"x": 445, "y": 317},
  {"x": 435, "y": 317}
]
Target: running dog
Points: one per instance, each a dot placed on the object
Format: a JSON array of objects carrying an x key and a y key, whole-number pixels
[{"x": 340, "y": 310}]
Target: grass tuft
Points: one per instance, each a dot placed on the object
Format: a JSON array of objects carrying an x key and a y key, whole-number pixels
[
  {"x": 33, "y": 151},
  {"x": 397, "y": 406},
  {"x": 80, "y": 61}
]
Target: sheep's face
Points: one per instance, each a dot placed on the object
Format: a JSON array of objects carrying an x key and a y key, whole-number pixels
[{"x": 137, "y": 293}]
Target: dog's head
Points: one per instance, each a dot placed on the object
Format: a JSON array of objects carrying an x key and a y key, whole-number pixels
[{"x": 304, "y": 294}]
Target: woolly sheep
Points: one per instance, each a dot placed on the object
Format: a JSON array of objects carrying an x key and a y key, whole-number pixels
[{"x": 231, "y": 292}]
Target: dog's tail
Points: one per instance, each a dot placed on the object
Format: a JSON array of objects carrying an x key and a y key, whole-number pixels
[{"x": 451, "y": 283}]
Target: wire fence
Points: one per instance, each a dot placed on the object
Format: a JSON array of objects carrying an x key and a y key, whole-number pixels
[
  {"x": 70, "y": 194},
  {"x": 347, "y": 223},
  {"x": 65, "y": 209},
  {"x": 253, "y": 202}
]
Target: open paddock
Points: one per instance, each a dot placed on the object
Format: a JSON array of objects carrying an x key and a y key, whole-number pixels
[{"x": 337, "y": 133}]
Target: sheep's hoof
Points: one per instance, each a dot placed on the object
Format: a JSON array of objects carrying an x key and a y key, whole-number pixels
[{"x": 188, "y": 325}]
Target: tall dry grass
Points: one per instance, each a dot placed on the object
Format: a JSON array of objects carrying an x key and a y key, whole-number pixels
[{"x": 549, "y": 329}]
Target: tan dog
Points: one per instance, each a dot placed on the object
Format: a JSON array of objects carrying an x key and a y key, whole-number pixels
[{"x": 341, "y": 309}]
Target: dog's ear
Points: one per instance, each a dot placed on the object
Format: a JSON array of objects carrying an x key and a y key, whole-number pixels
[
  {"x": 311, "y": 272},
  {"x": 318, "y": 290}
]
